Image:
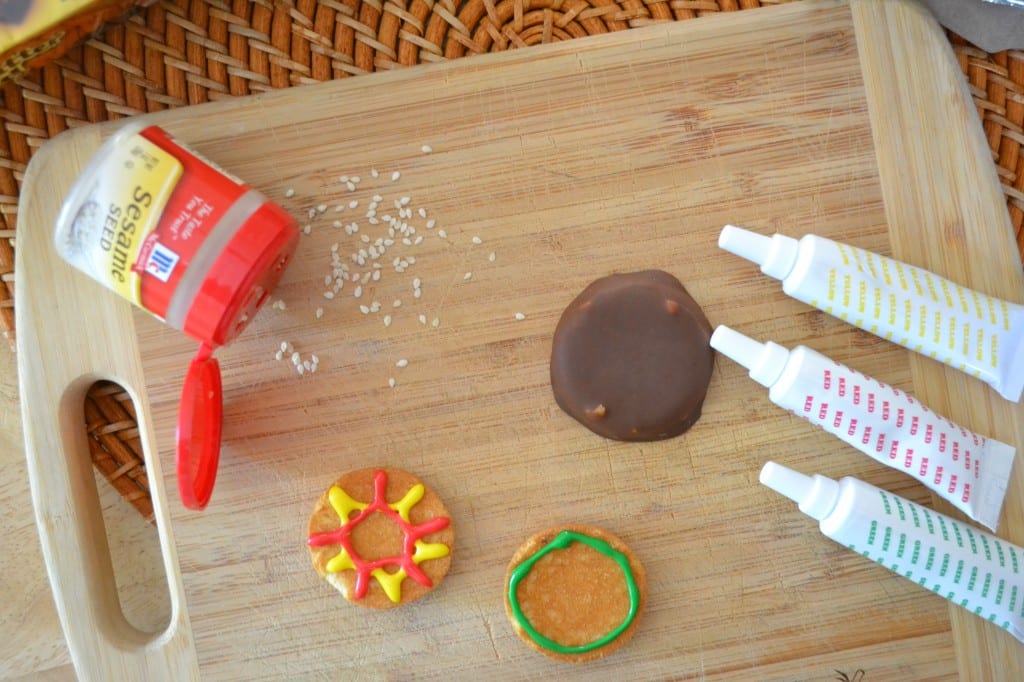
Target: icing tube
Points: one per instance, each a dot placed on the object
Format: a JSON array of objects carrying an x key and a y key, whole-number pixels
[
  {"x": 969, "y": 567},
  {"x": 965, "y": 329},
  {"x": 970, "y": 471}
]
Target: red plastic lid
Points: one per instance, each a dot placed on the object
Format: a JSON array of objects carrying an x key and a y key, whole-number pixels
[
  {"x": 242, "y": 277},
  {"x": 199, "y": 428}
]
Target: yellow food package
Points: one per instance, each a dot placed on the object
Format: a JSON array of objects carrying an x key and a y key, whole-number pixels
[{"x": 33, "y": 32}]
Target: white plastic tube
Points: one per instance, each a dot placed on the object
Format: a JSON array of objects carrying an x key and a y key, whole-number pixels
[
  {"x": 963, "y": 328},
  {"x": 970, "y": 471},
  {"x": 969, "y": 567}
]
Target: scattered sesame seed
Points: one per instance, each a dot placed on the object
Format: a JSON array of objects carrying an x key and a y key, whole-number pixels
[
  {"x": 289, "y": 193},
  {"x": 307, "y": 229},
  {"x": 365, "y": 238},
  {"x": 426, "y": 149},
  {"x": 416, "y": 282},
  {"x": 312, "y": 367},
  {"x": 418, "y": 240},
  {"x": 328, "y": 279},
  {"x": 343, "y": 179},
  {"x": 321, "y": 208},
  {"x": 339, "y": 208},
  {"x": 328, "y": 295},
  {"x": 336, "y": 224},
  {"x": 391, "y": 382},
  {"x": 374, "y": 172},
  {"x": 377, "y": 198},
  {"x": 404, "y": 201},
  {"x": 468, "y": 276},
  {"x": 387, "y": 320},
  {"x": 402, "y": 363},
  {"x": 431, "y": 223},
  {"x": 395, "y": 176},
  {"x": 397, "y": 303},
  {"x": 279, "y": 355},
  {"x": 319, "y": 313},
  {"x": 410, "y": 260},
  {"x": 356, "y": 179},
  {"x": 353, "y": 204},
  {"x": 492, "y": 257},
  {"x": 374, "y": 307},
  {"x": 306, "y": 364},
  {"x": 376, "y": 275},
  {"x": 365, "y": 310},
  {"x": 300, "y": 369},
  {"x": 442, "y": 234},
  {"x": 520, "y": 316},
  {"x": 423, "y": 319},
  {"x": 296, "y": 358},
  {"x": 351, "y": 186},
  {"x": 477, "y": 240},
  {"x": 435, "y": 323},
  {"x": 358, "y": 292},
  {"x": 422, "y": 212},
  {"x": 284, "y": 346},
  {"x": 417, "y": 293}
]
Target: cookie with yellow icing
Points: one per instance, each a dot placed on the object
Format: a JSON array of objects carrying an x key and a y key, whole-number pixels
[
  {"x": 575, "y": 593},
  {"x": 380, "y": 537}
]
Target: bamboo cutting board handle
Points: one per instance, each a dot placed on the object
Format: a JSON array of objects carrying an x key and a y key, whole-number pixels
[{"x": 56, "y": 366}]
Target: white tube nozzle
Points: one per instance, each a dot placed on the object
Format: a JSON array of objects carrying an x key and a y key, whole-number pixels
[
  {"x": 765, "y": 361},
  {"x": 816, "y": 495},
  {"x": 776, "y": 254}
]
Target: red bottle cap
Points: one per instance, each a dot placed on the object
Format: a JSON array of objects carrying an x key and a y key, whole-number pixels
[
  {"x": 243, "y": 276},
  {"x": 199, "y": 429}
]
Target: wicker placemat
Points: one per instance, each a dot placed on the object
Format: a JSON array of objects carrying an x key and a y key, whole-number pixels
[{"x": 177, "y": 53}]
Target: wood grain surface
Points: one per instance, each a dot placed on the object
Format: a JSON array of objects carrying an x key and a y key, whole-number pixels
[{"x": 569, "y": 162}]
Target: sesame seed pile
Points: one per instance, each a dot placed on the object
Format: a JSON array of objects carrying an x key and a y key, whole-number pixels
[{"x": 378, "y": 230}]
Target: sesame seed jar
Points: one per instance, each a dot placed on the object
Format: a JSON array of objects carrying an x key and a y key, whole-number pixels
[
  {"x": 186, "y": 241},
  {"x": 174, "y": 234}
]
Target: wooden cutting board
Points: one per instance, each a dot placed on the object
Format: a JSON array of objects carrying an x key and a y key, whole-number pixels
[{"x": 569, "y": 162}]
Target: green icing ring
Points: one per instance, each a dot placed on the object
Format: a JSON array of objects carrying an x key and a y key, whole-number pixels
[{"x": 561, "y": 541}]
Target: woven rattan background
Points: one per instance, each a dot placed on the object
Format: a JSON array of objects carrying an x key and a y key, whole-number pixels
[{"x": 176, "y": 53}]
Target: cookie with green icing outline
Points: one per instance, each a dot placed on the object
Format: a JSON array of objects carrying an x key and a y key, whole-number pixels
[{"x": 575, "y": 593}]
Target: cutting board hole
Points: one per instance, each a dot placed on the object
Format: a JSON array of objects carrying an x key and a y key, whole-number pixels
[{"x": 127, "y": 508}]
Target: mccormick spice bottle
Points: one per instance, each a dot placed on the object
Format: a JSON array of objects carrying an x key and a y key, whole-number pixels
[{"x": 191, "y": 244}]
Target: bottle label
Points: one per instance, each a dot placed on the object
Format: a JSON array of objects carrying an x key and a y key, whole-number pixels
[{"x": 151, "y": 206}]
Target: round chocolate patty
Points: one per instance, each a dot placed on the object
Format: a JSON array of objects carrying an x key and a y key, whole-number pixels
[{"x": 631, "y": 358}]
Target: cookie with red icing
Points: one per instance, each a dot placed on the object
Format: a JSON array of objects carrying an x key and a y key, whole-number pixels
[{"x": 380, "y": 537}]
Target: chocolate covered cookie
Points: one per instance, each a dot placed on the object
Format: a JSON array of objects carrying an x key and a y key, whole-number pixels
[{"x": 631, "y": 358}]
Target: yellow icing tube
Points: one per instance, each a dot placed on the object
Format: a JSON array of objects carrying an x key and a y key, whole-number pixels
[{"x": 965, "y": 329}]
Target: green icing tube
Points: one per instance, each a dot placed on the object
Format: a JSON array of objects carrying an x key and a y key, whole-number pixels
[{"x": 969, "y": 567}]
